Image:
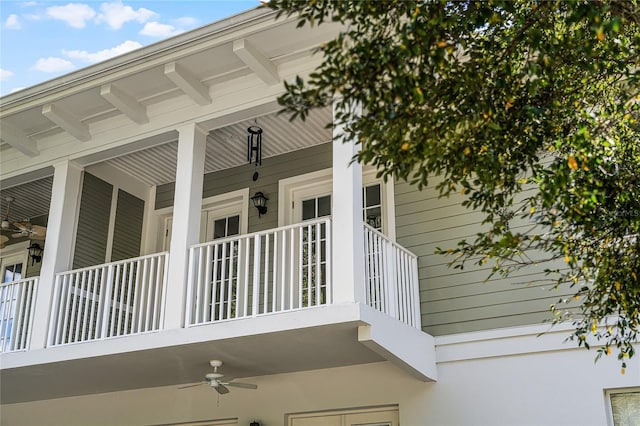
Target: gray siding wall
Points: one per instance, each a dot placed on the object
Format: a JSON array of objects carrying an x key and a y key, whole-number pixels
[
  {"x": 127, "y": 233},
  {"x": 270, "y": 172},
  {"x": 454, "y": 300},
  {"x": 93, "y": 222}
]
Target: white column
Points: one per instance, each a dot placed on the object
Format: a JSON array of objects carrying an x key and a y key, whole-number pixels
[
  {"x": 58, "y": 249},
  {"x": 348, "y": 235},
  {"x": 186, "y": 219}
]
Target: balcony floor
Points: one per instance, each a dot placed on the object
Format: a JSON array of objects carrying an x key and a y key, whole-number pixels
[{"x": 316, "y": 338}]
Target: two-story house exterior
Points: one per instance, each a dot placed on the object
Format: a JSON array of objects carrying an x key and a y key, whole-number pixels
[{"x": 138, "y": 178}]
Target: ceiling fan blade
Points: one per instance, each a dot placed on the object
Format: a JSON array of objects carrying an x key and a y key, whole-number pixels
[
  {"x": 242, "y": 385},
  {"x": 222, "y": 389},
  {"x": 39, "y": 231},
  {"x": 192, "y": 385},
  {"x": 23, "y": 225},
  {"x": 20, "y": 234}
]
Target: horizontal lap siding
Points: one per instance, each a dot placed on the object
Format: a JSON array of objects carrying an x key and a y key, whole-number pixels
[
  {"x": 271, "y": 171},
  {"x": 93, "y": 222},
  {"x": 455, "y": 300},
  {"x": 127, "y": 232}
]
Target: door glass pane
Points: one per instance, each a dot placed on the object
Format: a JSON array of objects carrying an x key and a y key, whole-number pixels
[
  {"x": 233, "y": 225},
  {"x": 372, "y": 195},
  {"x": 12, "y": 273},
  {"x": 372, "y": 207},
  {"x": 220, "y": 228},
  {"x": 324, "y": 206},
  {"x": 309, "y": 209}
]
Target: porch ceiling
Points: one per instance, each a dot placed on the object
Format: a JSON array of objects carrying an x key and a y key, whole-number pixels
[
  {"x": 258, "y": 354},
  {"x": 226, "y": 148}
]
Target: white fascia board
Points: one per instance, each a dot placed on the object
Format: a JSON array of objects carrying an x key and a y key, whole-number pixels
[
  {"x": 186, "y": 82},
  {"x": 18, "y": 139},
  {"x": 67, "y": 122},
  {"x": 124, "y": 103},
  {"x": 256, "y": 61}
]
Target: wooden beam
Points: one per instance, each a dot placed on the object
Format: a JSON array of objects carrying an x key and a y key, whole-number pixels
[
  {"x": 124, "y": 103},
  {"x": 67, "y": 122},
  {"x": 257, "y": 62},
  {"x": 190, "y": 85},
  {"x": 18, "y": 139}
]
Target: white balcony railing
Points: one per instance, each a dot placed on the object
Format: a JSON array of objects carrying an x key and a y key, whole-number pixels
[
  {"x": 17, "y": 303},
  {"x": 271, "y": 271},
  {"x": 391, "y": 278},
  {"x": 114, "y": 299}
]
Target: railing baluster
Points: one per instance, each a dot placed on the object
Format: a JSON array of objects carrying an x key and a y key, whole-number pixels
[
  {"x": 205, "y": 284},
  {"x": 274, "y": 278},
  {"x": 265, "y": 286},
  {"x": 255, "y": 299}
]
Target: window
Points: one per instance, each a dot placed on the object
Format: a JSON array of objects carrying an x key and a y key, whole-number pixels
[
  {"x": 625, "y": 408},
  {"x": 309, "y": 196},
  {"x": 224, "y": 214}
]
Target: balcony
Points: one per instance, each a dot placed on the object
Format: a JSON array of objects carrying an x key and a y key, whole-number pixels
[{"x": 270, "y": 291}]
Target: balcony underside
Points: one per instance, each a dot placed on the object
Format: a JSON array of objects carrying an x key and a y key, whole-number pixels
[{"x": 309, "y": 339}]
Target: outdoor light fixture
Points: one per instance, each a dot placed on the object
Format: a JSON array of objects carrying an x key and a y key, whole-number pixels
[
  {"x": 254, "y": 145},
  {"x": 254, "y": 423},
  {"x": 260, "y": 203},
  {"x": 35, "y": 252}
]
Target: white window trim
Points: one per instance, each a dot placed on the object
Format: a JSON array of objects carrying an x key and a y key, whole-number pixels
[
  {"x": 289, "y": 186},
  {"x": 234, "y": 201}
]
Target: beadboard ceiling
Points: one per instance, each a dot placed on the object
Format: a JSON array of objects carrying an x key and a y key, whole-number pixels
[{"x": 226, "y": 148}]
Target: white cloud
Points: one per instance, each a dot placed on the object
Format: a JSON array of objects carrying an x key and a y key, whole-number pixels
[
  {"x": 5, "y": 74},
  {"x": 28, "y": 4},
  {"x": 102, "y": 55},
  {"x": 12, "y": 22},
  {"x": 186, "y": 21},
  {"x": 156, "y": 29},
  {"x": 74, "y": 14},
  {"x": 51, "y": 64},
  {"x": 16, "y": 89},
  {"x": 116, "y": 14}
]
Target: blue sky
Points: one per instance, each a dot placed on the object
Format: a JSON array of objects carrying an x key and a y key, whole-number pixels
[{"x": 41, "y": 40}]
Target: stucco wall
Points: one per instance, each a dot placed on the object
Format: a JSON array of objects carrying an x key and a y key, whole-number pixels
[{"x": 483, "y": 380}]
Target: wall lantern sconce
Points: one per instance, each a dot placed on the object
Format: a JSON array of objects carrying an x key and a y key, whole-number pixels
[
  {"x": 35, "y": 252},
  {"x": 254, "y": 145},
  {"x": 260, "y": 203},
  {"x": 254, "y": 423}
]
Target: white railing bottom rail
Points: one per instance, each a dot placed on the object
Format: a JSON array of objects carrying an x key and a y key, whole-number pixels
[
  {"x": 277, "y": 270},
  {"x": 114, "y": 299},
  {"x": 391, "y": 278},
  {"x": 17, "y": 304}
]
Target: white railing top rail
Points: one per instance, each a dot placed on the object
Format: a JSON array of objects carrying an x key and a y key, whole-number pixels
[
  {"x": 389, "y": 240},
  {"x": 323, "y": 219},
  {"x": 118, "y": 262},
  {"x": 20, "y": 281}
]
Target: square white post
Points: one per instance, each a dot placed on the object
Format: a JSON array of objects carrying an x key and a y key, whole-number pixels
[
  {"x": 58, "y": 249},
  {"x": 185, "y": 231},
  {"x": 348, "y": 231}
]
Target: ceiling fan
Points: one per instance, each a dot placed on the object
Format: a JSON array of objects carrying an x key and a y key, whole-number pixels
[
  {"x": 216, "y": 380},
  {"x": 22, "y": 228}
]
